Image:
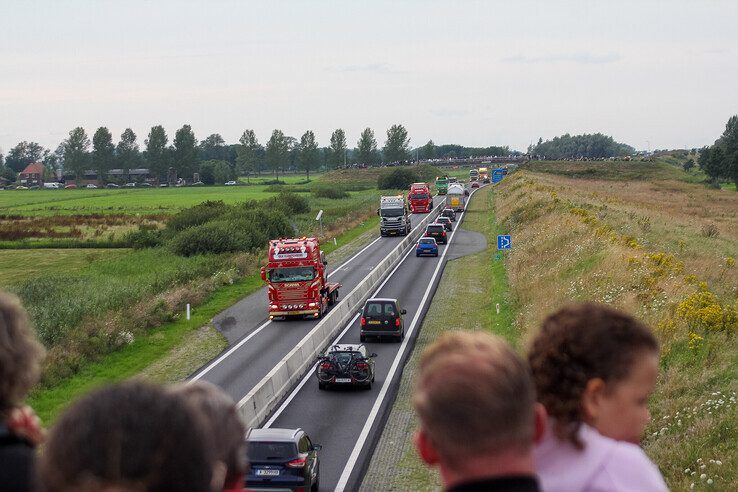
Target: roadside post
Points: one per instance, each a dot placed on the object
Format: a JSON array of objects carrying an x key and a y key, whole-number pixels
[{"x": 319, "y": 218}]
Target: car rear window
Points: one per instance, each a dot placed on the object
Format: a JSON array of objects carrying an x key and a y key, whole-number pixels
[
  {"x": 427, "y": 241},
  {"x": 380, "y": 308},
  {"x": 271, "y": 451},
  {"x": 435, "y": 228},
  {"x": 343, "y": 357}
]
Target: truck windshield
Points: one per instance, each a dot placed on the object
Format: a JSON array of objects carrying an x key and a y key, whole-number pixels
[
  {"x": 392, "y": 212},
  {"x": 418, "y": 196},
  {"x": 295, "y": 274}
]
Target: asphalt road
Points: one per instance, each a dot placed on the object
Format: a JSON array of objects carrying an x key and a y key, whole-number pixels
[
  {"x": 257, "y": 344},
  {"x": 348, "y": 422}
]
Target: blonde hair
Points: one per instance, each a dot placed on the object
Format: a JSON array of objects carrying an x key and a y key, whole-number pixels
[
  {"x": 474, "y": 395},
  {"x": 20, "y": 353}
]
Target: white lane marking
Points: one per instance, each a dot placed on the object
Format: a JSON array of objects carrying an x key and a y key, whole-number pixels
[
  {"x": 258, "y": 330},
  {"x": 343, "y": 480},
  {"x": 305, "y": 379}
]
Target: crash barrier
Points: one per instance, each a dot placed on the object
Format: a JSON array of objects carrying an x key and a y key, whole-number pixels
[{"x": 264, "y": 397}]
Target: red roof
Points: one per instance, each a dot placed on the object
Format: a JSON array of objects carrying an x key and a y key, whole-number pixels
[{"x": 35, "y": 168}]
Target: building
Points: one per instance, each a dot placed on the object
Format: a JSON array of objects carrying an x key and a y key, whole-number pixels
[{"x": 32, "y": 175}]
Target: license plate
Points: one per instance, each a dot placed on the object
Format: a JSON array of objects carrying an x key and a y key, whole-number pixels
[
  {"x": 343, "y": 380},
  {"x": 267, "y": 473},
  {"x": 375, "y": 322}
]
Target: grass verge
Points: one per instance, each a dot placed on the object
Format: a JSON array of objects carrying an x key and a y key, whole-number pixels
[{"x": 466, "y": 298}]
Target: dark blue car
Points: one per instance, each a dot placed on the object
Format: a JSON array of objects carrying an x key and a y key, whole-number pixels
[
  {"x": 426, "y": 246},
  {"x": 283, "y": 459}
]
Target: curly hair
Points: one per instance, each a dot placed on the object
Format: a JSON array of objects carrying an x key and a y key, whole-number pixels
[
  {"x": 20, "y": 353},
  {"x": 578, "y": 343}
]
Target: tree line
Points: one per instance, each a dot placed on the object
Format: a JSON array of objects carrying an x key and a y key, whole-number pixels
[
  {"x": 591, "y": 146},
  {"x": 720, "y": 160},
  {"x": 212, "y": 158}
]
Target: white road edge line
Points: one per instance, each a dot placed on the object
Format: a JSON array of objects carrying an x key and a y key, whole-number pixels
[
  {"x": 308, "y": 375},
  {"x": 343, "y": 480},
  {"x": 264, "y": 325}
]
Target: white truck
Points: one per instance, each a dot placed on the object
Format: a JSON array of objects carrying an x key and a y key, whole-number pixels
[
  {"x": 394, "y": 216},
  {"x": 455, "y": 197}
]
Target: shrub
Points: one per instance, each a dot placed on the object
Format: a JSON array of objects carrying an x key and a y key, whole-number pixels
[
  {"x": 199, "y": 214},
  {"x": 397, "y": 179},
  {"x": 288, "y": 202},
  {"x": 329, "y": 192},
  {"x": 144, "y": 237}
]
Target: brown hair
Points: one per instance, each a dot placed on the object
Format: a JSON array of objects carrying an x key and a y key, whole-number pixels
[
  {"x": 474, "y": 395},
  {"x": 128, "y": 436},
  {"x": 578, "y": 343},
  {"x": 20, "y": 353},
  {"x": 224, "y": 426}
]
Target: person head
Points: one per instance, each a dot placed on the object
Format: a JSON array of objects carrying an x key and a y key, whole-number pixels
[
  {"x": 130, "y": 436},
  {"x": 20, "y": 354},
  {"x": 476, "y": 406},
  {"x": 223, "y": 425},
  {"x": 593, "y": 364}
]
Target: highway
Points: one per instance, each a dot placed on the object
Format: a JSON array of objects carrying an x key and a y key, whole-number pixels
[
  {"x": 349, "y": 422},
  {"x": 257, "y": 344}
]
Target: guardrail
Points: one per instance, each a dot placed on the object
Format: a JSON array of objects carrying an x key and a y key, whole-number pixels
[{"x": 264, "y": 397}]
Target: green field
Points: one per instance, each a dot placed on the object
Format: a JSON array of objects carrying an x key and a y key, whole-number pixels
[{"x": 125, "y": 200}]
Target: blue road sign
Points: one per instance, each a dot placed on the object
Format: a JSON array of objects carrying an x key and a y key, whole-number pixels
[
  {"x": 504, "y": 241},
  {"x": 497, "y": 175}
]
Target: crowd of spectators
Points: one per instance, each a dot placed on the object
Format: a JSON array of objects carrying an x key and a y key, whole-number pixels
[{"x": 569, "y": 418}]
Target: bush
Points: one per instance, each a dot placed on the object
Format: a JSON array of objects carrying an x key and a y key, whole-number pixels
[
  {"x": 329, "y": 192},
  {"x": 288, "y": 202},
  {"x": 245, "y": 231},
  {"x": 144, "y": 237},
  {"x": 199, "y": 214},
  {"x": 397, "y": 179}
]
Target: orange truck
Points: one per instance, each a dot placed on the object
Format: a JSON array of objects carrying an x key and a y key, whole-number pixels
[{"x": 297, "y": 280}]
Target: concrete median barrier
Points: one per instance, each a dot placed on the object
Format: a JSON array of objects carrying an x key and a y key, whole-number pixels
[{"x": 266, "y": 395}]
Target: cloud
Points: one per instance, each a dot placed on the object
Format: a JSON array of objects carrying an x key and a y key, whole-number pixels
[
  {"x": 450, "y": 113},
  {"x": 578, "y": 58},
  {"x": 369, "y": 67}
]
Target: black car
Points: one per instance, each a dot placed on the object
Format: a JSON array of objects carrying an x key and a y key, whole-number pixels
[
  {"x": 450, "y": 213},
  {"x": 282, "y": 459},
  {"x": 437, "y": 232},
  {"x": 382, "y": 318},
  {"x": 345, "y": 365},
  {"x": 446, "y": 222}
]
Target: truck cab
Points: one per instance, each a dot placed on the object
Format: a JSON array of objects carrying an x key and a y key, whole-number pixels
[
  {"x": 420, "y": 198},
  {"x": 297, "y": 280},
  {"x": 442, "y": 185},
  {"x": 394, "y": 218}
]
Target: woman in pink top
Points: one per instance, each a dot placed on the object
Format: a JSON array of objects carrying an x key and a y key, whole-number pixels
[{"x": 594, "y": 369}]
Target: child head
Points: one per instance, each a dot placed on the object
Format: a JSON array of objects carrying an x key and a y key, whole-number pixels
[{"x": 593, "y": 364}]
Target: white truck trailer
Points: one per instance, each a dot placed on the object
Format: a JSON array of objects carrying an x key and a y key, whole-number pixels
[{"x": 455, "y": 197}]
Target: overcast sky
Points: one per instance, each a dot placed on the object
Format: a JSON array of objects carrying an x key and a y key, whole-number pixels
[{"x": 472, "y": 73}]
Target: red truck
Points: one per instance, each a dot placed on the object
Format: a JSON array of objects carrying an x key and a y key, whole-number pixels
[
  {"x": 420, "y": 198},
  {"x": 296, "y": 275}
]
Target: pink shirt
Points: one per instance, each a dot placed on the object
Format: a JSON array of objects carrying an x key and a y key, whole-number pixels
[{"x": 604, "y": 465}]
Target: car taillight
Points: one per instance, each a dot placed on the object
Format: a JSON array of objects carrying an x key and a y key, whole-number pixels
[
  {"x": 443, "y": 233},
  {"x": 363, "y": 321},
  {"x": 298, "y": 463},
  {"x": 362, "y": 365},
  {"x": 397, "y": 322},
  {"x": 325, "y": 365}
]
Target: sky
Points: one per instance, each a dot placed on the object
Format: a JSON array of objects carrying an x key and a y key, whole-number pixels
[{"x": 653, "y": 74}]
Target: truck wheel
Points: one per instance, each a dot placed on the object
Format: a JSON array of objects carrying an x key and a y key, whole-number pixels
[{"x": 362, "y": 338}]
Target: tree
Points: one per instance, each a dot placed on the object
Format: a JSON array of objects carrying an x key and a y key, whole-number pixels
[
  {"x": 337, "y": 151},
  {"x": 213, "y": 148},
  {"x": 185, "y": 152},
  {"x": 222, "y": 172},
  {"x": 23, "y": 154},
  {"x": 428, "y": 151},
  {"x": 308, "y": 153},
  {"x": 594, "y": 146},
  {"x": 103, "y": 152},
  {"x": 293, "y": 145},
  {"x": 76, "y": 156},
  {"x": 397, "y": 144},
  {"x": 247, "y": 153},
  {"x": 729, "y": 143},
  {"x": 688, "y": 165},
  {"x": 129, "y": 157},
  {"x": 366, "y": 147},
  {"x": 716, "y": 164},
  {"x": 276, "y": 151},
  {"x": 157, "y": 153}
]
